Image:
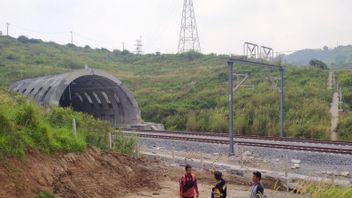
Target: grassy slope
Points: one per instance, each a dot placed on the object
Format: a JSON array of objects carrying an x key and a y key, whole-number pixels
[
  {"x": 186, "y": 91},
  {"x": 344, "y": 128},
  {"x": 24, "y": 125}
]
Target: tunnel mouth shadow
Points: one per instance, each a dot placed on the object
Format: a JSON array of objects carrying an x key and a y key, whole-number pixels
[{"x": 97, "y": 96}]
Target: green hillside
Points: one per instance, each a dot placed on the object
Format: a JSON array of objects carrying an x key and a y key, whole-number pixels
[
  {"x": 339, "y": 57},
  {"x": 186, "y": 91},
  {"x": 344, "y": 128}
]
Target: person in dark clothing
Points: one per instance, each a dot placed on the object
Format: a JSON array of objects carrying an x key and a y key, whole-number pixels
[
  {"x": 188, "y": 184},
  {"x": 257, "y": 189},
  {"x": 220, "y": 189}
]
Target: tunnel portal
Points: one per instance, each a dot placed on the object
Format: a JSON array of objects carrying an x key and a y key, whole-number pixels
[{"x": 89, "y": 91}]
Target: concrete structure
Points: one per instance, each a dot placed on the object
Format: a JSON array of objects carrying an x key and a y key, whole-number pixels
[{"x": 90, "y": 91}]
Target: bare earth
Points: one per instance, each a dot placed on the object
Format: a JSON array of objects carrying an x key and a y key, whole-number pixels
[
  {"x": 105, "y": 174},
  {"x": 169, "y": 187},
  {"x": 93, "y": 173}
]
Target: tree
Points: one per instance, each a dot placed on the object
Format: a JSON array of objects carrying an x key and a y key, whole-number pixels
[
  {"x": 23, "y": 39},
  {"x": 318, "y": 64}
]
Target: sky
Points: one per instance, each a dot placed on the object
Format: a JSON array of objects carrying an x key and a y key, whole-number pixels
[{"x": 223, "y": 25}]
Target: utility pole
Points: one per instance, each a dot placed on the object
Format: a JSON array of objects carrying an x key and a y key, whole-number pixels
[
  {"x": 189, "y": 39},
  {"x": 7, "y": 29},
  {"x": 71, "y": 37},
  {"x": 139, "y": 46},
  {"x": 230, "y": 92},
  {"x": 243, "y": 61},
  {"x": 282, "y": 132},
  {"x": 123, "y": 46}
]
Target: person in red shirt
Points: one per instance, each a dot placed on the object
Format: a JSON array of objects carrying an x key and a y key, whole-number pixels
[{"x": 188, "y": 184}]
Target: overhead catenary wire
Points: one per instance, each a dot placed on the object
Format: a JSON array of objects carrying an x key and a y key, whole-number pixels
[
  {"x": 25, "y": 31},
  {"x": 165, "y": 26},
  {"x": 74, "y": 37},
  {"x": 38, "y": 31}
]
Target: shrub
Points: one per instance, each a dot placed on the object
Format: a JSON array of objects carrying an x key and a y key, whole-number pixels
[
  {"x": 92, "y": 131},
  {"x": 23, "y": 39},
  {"x": 24, "y": 125},
  {"x": 45, "y": 195},
  {"x": 124, "y": 143},
  {"x": 11, "y": 57},
  {"x": 317, "y": 190},
  {"x": 318, "y": 64},
  {"x": 67, "y": 142},
  {"x": 344, "y": 128}
]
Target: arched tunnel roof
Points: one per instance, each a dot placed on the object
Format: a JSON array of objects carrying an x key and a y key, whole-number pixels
[{"x": 90, "y": 91}]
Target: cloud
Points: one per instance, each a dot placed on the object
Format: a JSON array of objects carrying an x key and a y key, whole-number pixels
[{"x": 223, "y": 25}]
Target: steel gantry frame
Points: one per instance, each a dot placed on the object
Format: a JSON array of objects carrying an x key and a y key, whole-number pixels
[
  {"x": 244, "y": 61},
  {"x": 251, "y": 50}
]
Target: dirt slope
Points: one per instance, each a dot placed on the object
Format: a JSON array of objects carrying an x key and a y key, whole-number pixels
[{"x": 93, "y": 173}]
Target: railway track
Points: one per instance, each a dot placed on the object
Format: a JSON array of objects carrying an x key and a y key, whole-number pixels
[
  {"x": 311, "y": 141},
  {"x": 184, "y": 136}
]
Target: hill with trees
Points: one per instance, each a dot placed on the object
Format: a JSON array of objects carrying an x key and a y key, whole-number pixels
[
  {"x": 339, "y": 57},
  {"x": 187, "y": 91}
]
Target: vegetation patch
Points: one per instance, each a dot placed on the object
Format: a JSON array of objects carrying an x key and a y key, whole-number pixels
[
  {"x": 187, "y": 91},
  {"x": 25, "y": 125},
  {"x": 317, "y": 190},
  {"x": 344, "y": 128}
]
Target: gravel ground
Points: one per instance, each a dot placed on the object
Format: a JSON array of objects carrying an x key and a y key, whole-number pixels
[{"x": 311, "y": 163}]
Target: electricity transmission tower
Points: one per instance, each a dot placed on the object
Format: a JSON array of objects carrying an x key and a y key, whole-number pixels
[
  {"x": 189, "y": 39},
  {"x": 139, "y": 46}
]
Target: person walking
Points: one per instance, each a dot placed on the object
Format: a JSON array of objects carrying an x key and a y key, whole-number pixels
[
  {"x": 220, "y": 189},
  {"x": 257, "y": 189},
  {"x": 188, "y": 184}
]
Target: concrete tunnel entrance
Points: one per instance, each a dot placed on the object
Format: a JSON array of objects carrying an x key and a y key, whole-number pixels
[
  {"x": 97, "y": 96},
  {"x": 89, "y": 91}
]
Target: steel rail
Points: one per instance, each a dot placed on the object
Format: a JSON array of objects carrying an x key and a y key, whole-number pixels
[
  {"x": 284, "y": 139},
  {"x": 254, "y": 144}
]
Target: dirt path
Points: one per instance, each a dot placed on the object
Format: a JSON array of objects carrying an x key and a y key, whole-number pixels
[
  {"x": 334, "y": 108},
  {"x": 169, "y": 188}
]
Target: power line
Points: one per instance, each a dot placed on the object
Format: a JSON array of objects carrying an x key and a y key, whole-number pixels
[
  {"x": 73, "y": 36},
  {"x": 287, "y": 51},
  {"x": 99, "y": 41},
  {"x": 166, "y": 26},
  {"x": 37, "y": 31}
]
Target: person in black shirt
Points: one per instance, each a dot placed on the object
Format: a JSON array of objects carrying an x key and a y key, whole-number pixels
[
  {"x": 220, "y": 189},
  {"x": 257, "y": 189}
]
